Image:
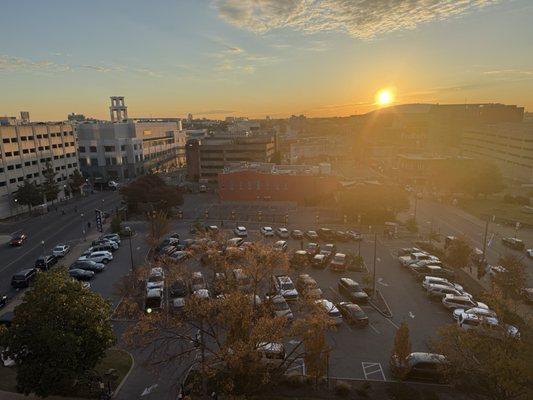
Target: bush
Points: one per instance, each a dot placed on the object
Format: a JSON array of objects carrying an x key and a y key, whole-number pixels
[
  {"x": 294, "y": 381},
  {"x": 362, "y": 389},
  {"x": 400, "y": 391},
  {"x": 343, "y": 389}
]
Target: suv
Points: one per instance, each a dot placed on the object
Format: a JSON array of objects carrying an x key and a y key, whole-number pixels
[
  {"x": 46, "y": 262},
  {"x": 114, "y": 237},
  {"x": 22, "y": 279},
  {"x": 412, "y": 258},
  {"x": 282, "y": 233},
  {"x": 101, "y": 247},
  {"x": 338, "y": 263},
  {"x": 267, "y": 231},
  {"x": 319, "y": 261},
  {"x": 280, "y": 308},
  {"x": 106, "y": 242},
  {"x": 88, "y": 266},
  {"x": 452, "y": 302},
  {"x": 307, "y": 286},
  {"x": 98, "y": 256},
  {"x": 280, "y": 246},
  {"x": 332, "y": 311},
  {"x": 438, "y": 290},
  {"x": 513, "y": 243},
  {"x": 424, "y": 366},
  {"x": 283, "y": 285},
  {"x": 422, "y": 271},
  {"x": 352, "y": 291}
]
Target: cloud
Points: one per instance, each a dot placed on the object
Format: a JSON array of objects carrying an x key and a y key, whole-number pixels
[
  {"x": 214, "y": 112},
  {"x": 99, "y": 68},
  {"x": 509, "y": 73},
  {"x": 358, "y": 18},
  {"x": 17, "y": 64}
]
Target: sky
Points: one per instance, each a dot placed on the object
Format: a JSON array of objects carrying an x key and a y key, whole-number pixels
[{"x": 216, "y": 58}]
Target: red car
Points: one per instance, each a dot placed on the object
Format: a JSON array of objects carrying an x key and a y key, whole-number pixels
[{"x": 17, "y": 239}]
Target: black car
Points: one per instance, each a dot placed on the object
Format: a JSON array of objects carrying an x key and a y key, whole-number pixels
[
  {"x": 178, "y": 289},
  {"x": 352, "y": 313},
  {"x": 46, "y": 262},
  {"x": 87, "y": 265},
  {"x": 352, "y": 291},
  {"x": 513, "y": 243},
  {"x": 22, "y": 279},
  {"x": 341, "y": 236},
  {"x": 81, "y": 274},
  {"x": 3, "y": 300},
  {"x": 297, "y": 234},
  {"x": 326, "y": 234},
  {"x": 299, "y": 259}
]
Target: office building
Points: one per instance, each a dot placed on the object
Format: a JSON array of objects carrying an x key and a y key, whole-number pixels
[
  {"x": 125, "y": 148},
  {"x": 25, "y": 150},
  {"x": 207, "y": 157},
  {"x": 269, "y": 182}
]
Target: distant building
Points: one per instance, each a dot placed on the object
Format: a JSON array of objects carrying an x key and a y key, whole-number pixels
[
  {"x": 508, "y": 145},
  {"x": 317, "y": 149},
  {"x": 127, "y": 147},
  {"x": 5, "y": 121},
  {"x": 25, "y": 150},
  {"x": 417, "y": 169},
  {"x": 207, "y": 157},
  {"x": 73, "y": 117},
  {"x": 270, "y": 182},
  {"x": 189, "y": 117}
]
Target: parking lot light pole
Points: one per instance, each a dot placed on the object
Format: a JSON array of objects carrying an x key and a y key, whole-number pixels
[
  {"x": 83, "y": 228},
  {"x": 42, "y": 244},
  {"x": 128, "y": 229},
  {"x": 374, "y": 266}
]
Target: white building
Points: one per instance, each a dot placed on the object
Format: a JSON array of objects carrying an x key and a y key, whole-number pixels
[{"x": 25, "y": 150}]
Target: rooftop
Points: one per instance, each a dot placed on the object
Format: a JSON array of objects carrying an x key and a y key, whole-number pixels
[{"x": 270, "y": 168}]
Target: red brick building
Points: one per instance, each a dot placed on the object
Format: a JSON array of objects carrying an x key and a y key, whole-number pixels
[{"x": 261, "y": 181}]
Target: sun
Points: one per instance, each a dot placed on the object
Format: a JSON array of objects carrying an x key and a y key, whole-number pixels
[{"x": 384, "y": 97}]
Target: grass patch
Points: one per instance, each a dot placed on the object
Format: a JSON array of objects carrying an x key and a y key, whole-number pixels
[
  {"x": 494, "y": 205},
  {"x": 114, "y": 359}
]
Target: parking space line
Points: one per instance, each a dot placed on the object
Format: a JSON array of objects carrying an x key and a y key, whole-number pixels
[
  {"x": 393, "y": 323},
  {"x": 371, "y": 368},
  {"x": 373, "y": 328}
]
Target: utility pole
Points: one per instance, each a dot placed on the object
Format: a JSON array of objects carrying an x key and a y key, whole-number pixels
[
  {"x": 485, "y": 239},
  {"x": 416, "y": 204},
  {"x": 374, "y": 266}
]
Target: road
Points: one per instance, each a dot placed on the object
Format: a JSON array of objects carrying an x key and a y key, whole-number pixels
[{"x": 53, "y": 228}]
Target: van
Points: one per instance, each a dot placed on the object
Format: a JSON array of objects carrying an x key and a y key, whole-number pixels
[{"x": 23, "y": 279}]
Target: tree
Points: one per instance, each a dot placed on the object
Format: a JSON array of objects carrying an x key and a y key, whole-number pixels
[
  {"x": 458, "y": 253},
  {"x": 28, "y": 194},
  {"x": 75, "y": 182},
  {"x": 400, "y": 351},
  {"x": 58, "y": 335},
  {"x": 159, "y": 226},
  {"x": 484, "y": 179},
  {"x": 484, "y": 366},
  {"x": 49, "y": 188},
  {"x": 513, "y": 279},
  {"x": 151, "y": 192}
]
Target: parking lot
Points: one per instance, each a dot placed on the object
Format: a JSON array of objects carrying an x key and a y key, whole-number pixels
[{"x": 363, "y": 353}]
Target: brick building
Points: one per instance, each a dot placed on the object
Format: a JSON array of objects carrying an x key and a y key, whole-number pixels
[{"x": 270, "y": 182}]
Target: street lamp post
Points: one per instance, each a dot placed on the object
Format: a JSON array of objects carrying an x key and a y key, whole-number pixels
[
  {"x": 374, "y": 266},
  {"x": 42, "y": 244},
  {"x": 128, "y": 229},
  {"x": 83, "y": 228}
]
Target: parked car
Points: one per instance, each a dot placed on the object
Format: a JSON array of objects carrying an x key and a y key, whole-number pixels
[
  {"x": 3, "y": 300},
  {"x": 235, "y": 242},
  {"x": 307, "y": 286},
  {"x": 240, "y": 280},
  {"x": 439, "y": 291},
  {"x": 156, "y": 279},
  {"x": 212, "y": 229},
  {"x": 513, "y": 243},
  {"x": 98, "y": 256},
  {"x": 167, "y": 242},
  {"x": 115, "y": 237},
  {"x": 352, "y": 313},
  {"x": 482, "y": 312},
  {"x": 18, "y": 239},
  {"x": 527, "y": 294},
  {"x": 81, "y": 274},
  {"x": 280, "y": 307},
  {"x": 338, "y": 263},
  {"x": 299, "y": 259},
  {"x": 415, "y": 257},
  {"x": 297, "y": 234},
  {"x": 428, "y": 280},
  {"x": 488, "y": 326},
  {"x": 240, "y": 231},
  {"x": 60, "y": 250},
  {"x": 202, "y": 294},
  {"x": 452, "y": 301},
  {"x": 153, "y": 300},
  {"x": 46, "y": 262},
  {"x": 283, "y": 285},
  {"x": 23, "y": 279},
  {"x": 282, "y": 233},
  {"x": 341, "y": 236},
  {"x": 332, "y": 311},
  {"x": 421, "y": 271},
  {"x": 267, "y": 231},
  {"x": 424, "y": 366},
  {"x": 311, "y": 235},
  {"x": 312, "y": 249},
  {"x": 319, "y": 261},
  {"x": 354, "y": 235},
  {"x": 328, "y": 250},
  {"x": 88, "y": 266},
  {"x": 281, "y": 246},
  {"x": 197, "y": 281},
  {"x": 352, "y": 290},
  {"x": 406, "y": 251},
  {"x": 326, "y": 234},
  {"x": 103, "y": 246},
  {"x": 110, "y": 245}
]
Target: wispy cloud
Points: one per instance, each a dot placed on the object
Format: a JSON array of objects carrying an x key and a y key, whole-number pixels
[
  {"x": 358, "y": 18},
  {"x": 214, "y": 112},
  {"x": 509, "y": 73}
]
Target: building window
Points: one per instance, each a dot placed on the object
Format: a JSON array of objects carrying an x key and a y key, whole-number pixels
[
  {"x": 20, "y": 178},
  {"x": 2, "y": 183},
  {"x": 10, "y": 167},
  {"x": 28, "y": 176},
  {"x": 14, "y": 140},
  {"x": 12, "y": 180},
  {"x": 5, "y": 140},
  {"x": 92, "y": 149},
  {"x": 35, "y": 175},
  {"x": 94, "y": 162},
  {"x": 8, "y": 154},
  {"x": 81, "y": 149},
  {"x": 27, "y": 163},
  {"x": 109, "y": 148},
  {"x": 34, "y": 162},
  {"x": 32, "y": 150},
  {"x": 25, "y": 151},
  {"x": 123, "y": 147},
  {"x": 16, "y": 153},
  {"x": 39, "y": 136},
  {"x": 18, "y": 166}
]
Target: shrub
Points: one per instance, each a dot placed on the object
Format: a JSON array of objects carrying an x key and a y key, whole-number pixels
[
  {"x": 400, "y": 391},
  {"x": 342, "y": 389}
]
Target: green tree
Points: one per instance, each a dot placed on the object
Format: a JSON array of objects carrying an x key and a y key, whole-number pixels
[
  {"x": 28, "y": 194},
  {"x": 513, "y": 279},
  {"x": 59, "y": 333},
  {"x": 152, "y": 192},
  {"x": 400, "y": 351},
  {"x": 484, "y": 366},
  {"x": 458, "y": 253},
  {"x": 75, "y": 182},
  {"x": 49, "y": 188}
]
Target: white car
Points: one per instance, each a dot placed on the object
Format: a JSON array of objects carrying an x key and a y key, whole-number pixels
[
  {"x": 240, "y": 231},
  {"x": 428, "y": 280},
  {"x": 487, "y": 325},
  {"x": 284, "y": 286},
  {"x": 529, "y": 253},
  {"x": 115, "y": 237},
  {"x": 280, "y": 245},
  {"x": 156, "y": 280},
  {"x": 282, "y": 233},
  {"x": 332, "y": 311},
  {"x": 98, "y": 256},
  {"x": 280, "y": 307},
  {"x": 267, "y": 231},
  {"x": 436, "y": 290},
  {"x": 415, "y": 257},
  {"x": 61, "y": 250},
  {"x": 452, "y": 302},
  {"x": 482, "y": 312}
]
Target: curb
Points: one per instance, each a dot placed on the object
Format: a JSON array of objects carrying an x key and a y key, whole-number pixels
[{"x": 117, "y": 389}]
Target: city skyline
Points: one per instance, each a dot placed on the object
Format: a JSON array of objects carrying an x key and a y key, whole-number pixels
[{"x": 277, "y": 58}]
